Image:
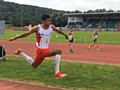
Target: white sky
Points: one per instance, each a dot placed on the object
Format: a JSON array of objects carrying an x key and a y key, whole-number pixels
[{"x": 71, "y": 5}]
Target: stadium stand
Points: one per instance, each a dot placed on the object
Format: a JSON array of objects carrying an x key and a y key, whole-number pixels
[{"x": 107, "y": 20}]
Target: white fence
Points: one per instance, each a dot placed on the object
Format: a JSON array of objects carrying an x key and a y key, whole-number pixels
[{"x": 2, "y": 27}]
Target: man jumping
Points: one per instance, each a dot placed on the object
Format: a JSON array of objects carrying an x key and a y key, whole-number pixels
[{"x": 43, "y": 35}]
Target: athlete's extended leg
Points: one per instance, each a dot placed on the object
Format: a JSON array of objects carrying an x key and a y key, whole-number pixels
[{"x": 27, "y": 58}]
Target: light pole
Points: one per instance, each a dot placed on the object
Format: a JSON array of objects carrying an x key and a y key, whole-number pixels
[{"x": 22, "y": 18}]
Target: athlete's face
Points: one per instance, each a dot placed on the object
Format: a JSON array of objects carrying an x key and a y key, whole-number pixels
[
  {"x": 47, "y": 22},
  {"x": 97, "y": 30},
  {"x": 71, "y": 30}
]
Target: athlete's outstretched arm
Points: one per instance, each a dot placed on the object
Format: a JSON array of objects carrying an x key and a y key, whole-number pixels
[
  {"x": 59, "y": 31},
  {"x": 33, "y": 30}
]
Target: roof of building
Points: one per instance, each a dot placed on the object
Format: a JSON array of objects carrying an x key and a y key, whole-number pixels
[{"x": 96, "y": 13}]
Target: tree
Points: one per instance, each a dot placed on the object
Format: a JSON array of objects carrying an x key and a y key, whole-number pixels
[
  {"x": 110, "y": 10},
  {"x": 99, "y": 10},
  {"x": 77, "y": 11},
  {"x": 16, "y": 14}
]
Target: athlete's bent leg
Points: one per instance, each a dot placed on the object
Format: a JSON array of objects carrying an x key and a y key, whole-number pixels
[
  {"x": 91, "y": 45},
  {"x": 57, "y": 54},
  {"x": 97, "y": 46},
  {"x": 53, "y": 52},
  {"x": 70, "y": 47},
  {"x": 36, "y": 64}
]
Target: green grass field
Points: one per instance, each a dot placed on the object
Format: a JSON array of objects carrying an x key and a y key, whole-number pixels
[
  {"x": 80, "y": 37},
  {"x": 81, "y": 76}
]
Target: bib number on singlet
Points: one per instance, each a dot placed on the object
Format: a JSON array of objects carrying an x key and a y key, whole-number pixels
[
  {"x": 95, "y": 36},
  {"x": 45, "y": 42},
  {"x": 70, "y": 37}
]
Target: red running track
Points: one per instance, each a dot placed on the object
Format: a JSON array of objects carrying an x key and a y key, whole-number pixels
[
  {"x": 10, "y": 85},
  {"x": 109, "y": 54}
]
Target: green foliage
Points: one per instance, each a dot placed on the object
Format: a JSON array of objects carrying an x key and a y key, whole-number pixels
[{"x": 17, "y": 14}]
